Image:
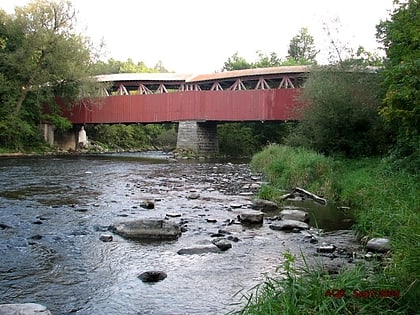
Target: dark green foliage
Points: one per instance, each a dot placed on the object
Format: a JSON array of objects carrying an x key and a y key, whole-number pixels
[
  {"x": 134, "y": 137},
  {"x": 244, "y": 139},
  {"x": 41, "y": 57},
  {"x": 401, "y": 79},
  {"x": 128, "y": 66},
  {"x": 236, "y": 139},
  {"x": 18, "y": 135},
  {"x": 341, "y": 113}
]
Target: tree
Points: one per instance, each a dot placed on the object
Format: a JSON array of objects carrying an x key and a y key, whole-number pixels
[
  {"x": 51, "y": 53},
  {"x": 267, "y": 61},
  {"x": 401, "y": 76},
  {"x": 236, "y": 62},
  {"x": 340, "y": 115},
  {"x": 128, "y": 66},
  {"x": 302, "y": 48},
  {"x": 41, "y": 57}
]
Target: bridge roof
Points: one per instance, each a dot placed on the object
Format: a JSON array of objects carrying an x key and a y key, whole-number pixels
[
  {"x": 257, "y": 72},
  {"x": 192, "y": 78},
  {"x": 143, "y": 76}
]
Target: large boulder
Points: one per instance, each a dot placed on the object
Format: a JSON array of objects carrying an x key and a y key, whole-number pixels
[
  {"x": 155, "y": 229},
  {"x": 294, "y": 214},
  {"x": 381, "y": 245},
  {"x": 285, "y": 225},
  {"x": 264, "y": 205},
  {"x": 24, "y": 309},
  {"x": 251, "y": 217},
  {"x": 152, "y": 276}
]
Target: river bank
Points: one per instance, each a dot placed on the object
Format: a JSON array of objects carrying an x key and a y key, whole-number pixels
[{"x": 385, "y": 203}]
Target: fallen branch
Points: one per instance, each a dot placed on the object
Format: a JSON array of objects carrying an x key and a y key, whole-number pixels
[{"x": 306, "y": 193}]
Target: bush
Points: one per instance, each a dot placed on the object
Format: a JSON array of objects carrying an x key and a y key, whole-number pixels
[{"x": 341, "y": 113}]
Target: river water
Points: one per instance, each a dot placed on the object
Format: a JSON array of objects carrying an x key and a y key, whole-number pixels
[{"x": 53, "y": 211}]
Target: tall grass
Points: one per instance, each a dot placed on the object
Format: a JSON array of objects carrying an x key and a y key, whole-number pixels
[
  {"x": 308, "y": 290},
  {"x": 386, "y": 202},
  {"x": 286, "y": 168}
]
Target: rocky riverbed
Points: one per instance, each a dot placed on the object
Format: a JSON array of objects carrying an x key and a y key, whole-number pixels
[{"x": 59, "y": 248}]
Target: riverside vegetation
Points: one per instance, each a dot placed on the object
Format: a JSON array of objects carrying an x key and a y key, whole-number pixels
[
  {"x": 385, "y": 202},
  {"x": 357, "y": 143}
]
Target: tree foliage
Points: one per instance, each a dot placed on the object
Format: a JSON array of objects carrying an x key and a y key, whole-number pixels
[
  {"x": 301, "y": 52},
  {"x": 41, "y": 57},
  {"x": 128, "y": 66},
  {"x": 134, "y": 136},
  {"x": 341, "y": 113},
  {"x": 400, "y": 36},
  {"x": 236, "y": 62},
  {"x": 302, "y": 48}
]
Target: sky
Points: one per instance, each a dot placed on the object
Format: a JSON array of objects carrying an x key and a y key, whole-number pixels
[{"x": 193, "y": 36}]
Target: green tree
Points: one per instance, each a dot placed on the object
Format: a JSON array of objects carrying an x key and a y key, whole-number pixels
[
  {"x": 128, "y": 66},
  {"x": 340, "y": 115},
  {"x": 51, "y": 54},
  {"x": 400, "y": 36},
  {"x": 302, "y": 48},
  {"x": 267, "y": 61},
  {"x": 41, "y": 57},
  {"x": 236, "y": 62}
]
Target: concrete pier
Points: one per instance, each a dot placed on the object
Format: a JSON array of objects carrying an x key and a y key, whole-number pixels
[{"x": 198, "y": 136}]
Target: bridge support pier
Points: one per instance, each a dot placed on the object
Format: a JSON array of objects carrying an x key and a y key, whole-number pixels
[
  {"x": 198, "y": 136},
  {"x": 64, "y": 141}
]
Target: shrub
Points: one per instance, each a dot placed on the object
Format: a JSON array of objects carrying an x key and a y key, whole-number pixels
[{"x": 341, "y": 113}]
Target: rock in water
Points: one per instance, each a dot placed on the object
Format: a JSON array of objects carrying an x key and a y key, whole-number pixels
[
  {"x": 155, "y": 229},
  {"x": 147, "y": 204},
  {"x": 251, "y": 217},
  {"x": 294, "y": 214},
  {"x": 264, "y": 205},
  {"x": 222, "y": 244},
  {"x": 24, "y": 309},
  {"x": 289, "y": 225},
  {"x": 381, "y": 245},
  {"x": 152, "y": 276}
]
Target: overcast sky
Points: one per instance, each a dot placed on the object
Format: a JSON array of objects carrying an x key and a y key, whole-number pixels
[{"x": 193, "y": 36}]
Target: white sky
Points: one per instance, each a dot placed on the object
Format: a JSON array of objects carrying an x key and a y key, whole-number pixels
[{"x": 193, "y": 36}]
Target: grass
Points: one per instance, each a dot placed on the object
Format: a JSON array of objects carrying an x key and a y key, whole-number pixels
[
  {"x": 286, "y": 168},
  {"x": 386, "y": 203},
  {"x": 309, "y": 291}
]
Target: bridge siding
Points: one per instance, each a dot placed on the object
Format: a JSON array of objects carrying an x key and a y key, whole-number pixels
[{"x": 247, "y": 105}]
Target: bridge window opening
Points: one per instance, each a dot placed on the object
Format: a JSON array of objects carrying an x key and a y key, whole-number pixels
[
  {"x": 262, "y": 84},
  {"x": 142, "y": 89},
  {"x": 286, "y": 83},
  {"x": 122, "y": 90},
  {"x": 161, "y": 89},
  {"x": 237, "y": 86},
  {"x": 216, "y": 87}
]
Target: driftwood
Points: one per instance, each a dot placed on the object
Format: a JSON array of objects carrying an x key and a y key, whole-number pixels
[{"x": 306, "y": 193}]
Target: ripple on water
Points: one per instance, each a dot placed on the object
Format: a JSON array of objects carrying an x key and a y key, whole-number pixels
[{"x": 66, "y": 267}]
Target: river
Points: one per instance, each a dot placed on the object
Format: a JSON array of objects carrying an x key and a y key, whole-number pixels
[{"x": 53, "y": 211}]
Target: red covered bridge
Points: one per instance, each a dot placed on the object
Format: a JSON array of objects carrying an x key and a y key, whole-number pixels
[{"x": 197, "y": 102}]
